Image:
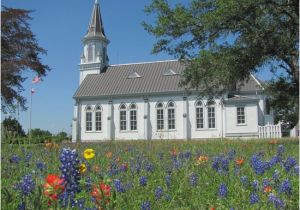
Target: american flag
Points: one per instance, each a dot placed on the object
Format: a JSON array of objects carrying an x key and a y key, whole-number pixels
[{"x": 36, "y": 80}]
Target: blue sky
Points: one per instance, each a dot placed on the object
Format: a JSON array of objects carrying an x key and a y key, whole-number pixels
[{"x": 59, "y": 27}]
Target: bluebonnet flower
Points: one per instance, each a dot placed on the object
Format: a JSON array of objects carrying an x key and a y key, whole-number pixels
[
  {"x": 258, "y": 165},
  {"x": 118, "y": 185},
  {"x": 123, "y": 167},
  {"x": 255, "y": 185},
  {"x": 80, "y": 203},
  {"x": 15, "y": 159},
  {"x": 278, "y": 204},
  {"x": 22, "y": 206},
  {"x": 285, "y": 187},
  {"x": 193, "y": 178},
  {"x": 113, "y": 169},
  {"x": 231, "y": 154},
  {"x": 180, "y": 155},
  {"x": 274, "y": 160},
  {"x": 149, "y": 167},
  {"x": 158, "y": 192},
  {"x": 146, "y": 205},
  {"x": 26, "y": 186},
  {"x": 266, "y": 182},
  {"x": 41, "y": 165},
  {"x": 244, "y": 180},
  {"x": 223, "y": 190},
  {"x": 27, "y": 158},
  {"x": 254, "y": 198},
  {"x": 70, "y": 173},
  {"x": 176, "y": 164},
  {"x": 220, "y": 164},
  {"x": 187, "y": 155},
  {"x": 143, "y": 181},
  {"x": 289, "y": 163},
  {"x": 168, "y": 180},
  {"x": 280, "y": 150}
]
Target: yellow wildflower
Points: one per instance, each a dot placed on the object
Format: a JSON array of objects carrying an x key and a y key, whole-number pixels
[
  {"x": 82, "y": 168},
  {"x": 89, "y": 154}
]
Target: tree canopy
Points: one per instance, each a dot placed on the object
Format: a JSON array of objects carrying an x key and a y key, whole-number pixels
[
  {"x": 12, "y": 127},
  {"x": 223, "y": 41},
  {"x": 19, "y": 52}
]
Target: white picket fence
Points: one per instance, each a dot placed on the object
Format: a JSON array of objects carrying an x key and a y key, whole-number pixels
[{"x": 270, "y": 131}]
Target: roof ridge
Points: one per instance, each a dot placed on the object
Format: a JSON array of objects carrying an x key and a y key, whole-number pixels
[{"x": 126, "y": 64}]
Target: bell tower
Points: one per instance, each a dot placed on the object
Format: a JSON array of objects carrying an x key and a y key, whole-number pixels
[{"x": 94, "y": 59}]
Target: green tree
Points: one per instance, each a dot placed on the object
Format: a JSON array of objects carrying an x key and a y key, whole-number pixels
[
  {"x": 12, "y": 126},
  {"x": 11, "y": 130},
  {"x": 223, "y": 41},
  {"x": 40, "y": 133},
  {"x": 62, "y": 134},
  {"x": 19, "y": 52}
]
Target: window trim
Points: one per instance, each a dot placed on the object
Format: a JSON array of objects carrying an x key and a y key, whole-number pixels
[
  {"x": 88, "y": 110},
  {"x": 136, "y": 115},
  {"x": 161, "y": 119},
  {"x": 171, "y": 108},
  {"x": 211, "y": 104},
  {"x": 245, "y": 119},
  {"x": 197, "y": 106},
  {"x": 98, "y": 109},
  {"x": 123, "y": 108}
]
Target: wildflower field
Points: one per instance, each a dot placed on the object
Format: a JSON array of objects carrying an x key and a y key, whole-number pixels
[{"x": 212, "y": 174}]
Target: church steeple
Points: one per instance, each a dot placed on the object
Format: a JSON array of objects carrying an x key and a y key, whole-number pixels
[
  {"x": 96, "y": 28},
  {"x": 94, "y": 59}
]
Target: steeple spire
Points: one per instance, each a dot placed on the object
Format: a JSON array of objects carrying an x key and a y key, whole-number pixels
[{"x": 95, "y": 28}]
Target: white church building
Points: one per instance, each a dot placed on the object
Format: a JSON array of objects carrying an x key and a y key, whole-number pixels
[{"x": 143, "y": 101}]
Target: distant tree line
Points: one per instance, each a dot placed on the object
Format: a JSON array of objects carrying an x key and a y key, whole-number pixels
[{"x": 13, "y": 133}]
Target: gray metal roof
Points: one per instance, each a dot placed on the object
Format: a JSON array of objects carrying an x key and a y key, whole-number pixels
[{"x": 152, "y": 78}]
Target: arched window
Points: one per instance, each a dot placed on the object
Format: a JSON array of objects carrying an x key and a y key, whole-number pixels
[
  {"x": 171, "y": 115},
  {"x": 199, "y": 115},
  {"x": 133, "y": 119},
  {"x": 88, "y": 118},
  {"x": 98, "y": 118},
  {"x": 123, "y": 123},
  {"x": 211, "y": 115},
  {"x": 159, "y": 116},
  {"x": 90, "y": 53}
]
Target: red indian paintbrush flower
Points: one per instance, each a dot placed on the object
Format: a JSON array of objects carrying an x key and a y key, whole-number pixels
[
  {"x": 102, "y": 190},
  {"x": 53, "y": 186},
  {"x": 239, "y": 161}
]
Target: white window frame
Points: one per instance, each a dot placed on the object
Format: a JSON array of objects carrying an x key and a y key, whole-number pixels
[
  {"x": 238, "y": 115},
  {"x": 171, "y": 120},
  {"x": 98, "y": 110},
  {"x": 161, "y": 114},
  {"x": 133, "y": 109},
  {"x": 88, "y": 124},
  {"x": 123, "y": 110},
  {"x": 199, "y": 106},
  {"x": 211, "y": 104}
]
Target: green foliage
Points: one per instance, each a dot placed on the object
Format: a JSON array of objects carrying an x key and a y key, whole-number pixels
[
  {"x": 11, "y": 130},
  {"x": 37, "y": 132},
  {"x": 19, "y": 52},
  {"x": 179, "y": 195},
  {"x": 223, "y": 41},
  {"x": 285, "y": 101}
]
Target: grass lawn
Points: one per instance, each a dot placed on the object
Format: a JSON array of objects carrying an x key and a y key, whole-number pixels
[{"x": 212, "y": 174}]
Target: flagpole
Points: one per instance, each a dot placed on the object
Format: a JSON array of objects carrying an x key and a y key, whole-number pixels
[{"x": 30, "y": 114}]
